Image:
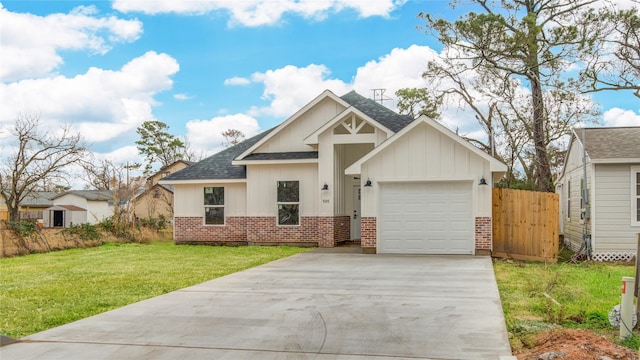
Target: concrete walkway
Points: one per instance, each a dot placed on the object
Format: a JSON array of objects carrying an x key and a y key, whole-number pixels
[{"x": 317, "y": 305}]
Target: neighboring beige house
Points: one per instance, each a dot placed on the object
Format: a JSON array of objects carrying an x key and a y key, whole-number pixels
[
  {"x": 31, "y": 207},
  {"x": 342, "y": 168},
  {"x": 605, "y": 214},
  {"x": 157, "y": 199},
  {"x": 79, "y": 207}
]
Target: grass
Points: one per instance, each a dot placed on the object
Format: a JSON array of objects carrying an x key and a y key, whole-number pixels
[
  {"x": 42, "y": 291},
  {"x": 541, "y": 296}
]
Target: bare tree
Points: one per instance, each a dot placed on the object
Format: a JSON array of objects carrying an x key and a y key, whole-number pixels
[
  {"x": 232, "y": 137},
  {"x": 616, "y": 66},
  {"x": 532, "y": 41},
  {"x": 38, "y": 157}
]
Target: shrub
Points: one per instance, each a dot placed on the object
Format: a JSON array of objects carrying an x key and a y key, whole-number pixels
[
  {"x": 23, "y": 228},
  {"x": 84, "y": 231}
]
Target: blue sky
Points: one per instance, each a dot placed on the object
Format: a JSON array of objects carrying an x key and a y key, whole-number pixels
[{"x": 205, "y": 66}]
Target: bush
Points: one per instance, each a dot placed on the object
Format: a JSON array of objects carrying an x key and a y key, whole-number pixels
[
  {"x": 159, "y": 223},
  {"x": 84, "y": 231},
  {"x": 23, "y": 228}
]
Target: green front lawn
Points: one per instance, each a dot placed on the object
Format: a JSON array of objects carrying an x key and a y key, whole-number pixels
[
  {"x": 538, "y": 296},
  {"x": 42, "y": 291}
]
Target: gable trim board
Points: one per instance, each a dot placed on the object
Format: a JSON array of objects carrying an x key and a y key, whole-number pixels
[
  {"x": 611, "y": 156},
  {"x": 327, "y": 215}
]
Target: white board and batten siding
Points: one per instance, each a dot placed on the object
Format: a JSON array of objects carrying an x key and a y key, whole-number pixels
[
  {"x": 426, "y": 194},
  {"x": 291, "y": 137},
  {"x": 262, "y": 183},
  {"x": 189, "y": 199},
  {"x": 612, "y": 229}
]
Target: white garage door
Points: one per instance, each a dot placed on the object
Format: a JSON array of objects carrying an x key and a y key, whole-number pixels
[{"x": 426, "y": 218}]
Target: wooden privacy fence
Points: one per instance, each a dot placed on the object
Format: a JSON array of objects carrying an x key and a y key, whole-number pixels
[{"x": 525, "y": 225}]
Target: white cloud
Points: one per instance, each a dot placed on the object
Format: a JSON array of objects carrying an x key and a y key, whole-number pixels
[
  {"x": 181, "y": 97},
  {"x": 205, "y": 136},
  {"x": 259, "y": 12},
  {"x": 401, "y": 68},
  {"x": 236, "y": 80},
  {"x": 289, "y": 88},
  {"x": 101, "y": 104},
  {"x": 621, "y": 117},
  {"x": 31, "y": 43}
]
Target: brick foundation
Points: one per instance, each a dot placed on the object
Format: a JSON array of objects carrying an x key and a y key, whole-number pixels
[
  {"x": 312, "y": 231},
  {"x": 484, "y": 234},
  {"x": 193, "y": 230}
]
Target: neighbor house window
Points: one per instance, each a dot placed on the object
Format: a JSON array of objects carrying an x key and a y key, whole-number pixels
[
  {"x": 635, "y": 195},
  {"x": 214, "y": 205},
  {"x": 288, "y": 203}
]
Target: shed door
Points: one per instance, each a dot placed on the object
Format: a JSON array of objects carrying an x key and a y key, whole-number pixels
[{"x": 426, "y": 218}]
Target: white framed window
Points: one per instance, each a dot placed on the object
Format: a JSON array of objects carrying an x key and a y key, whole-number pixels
[
  {"x": 288, "y": 202},
  {"x": 214, "y": 205},
  {"x": 635, "y": 196}
]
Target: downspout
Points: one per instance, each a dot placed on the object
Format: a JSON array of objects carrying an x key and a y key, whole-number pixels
[{"x": 586, "y": 234}]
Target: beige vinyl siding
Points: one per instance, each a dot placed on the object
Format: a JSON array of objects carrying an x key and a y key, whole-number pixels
[
  {"x": 189, "y": 199},
  {"x": 425, "y": 154},
  {"x": 291, "y": 138},
  {"x": 261, "y": 188},
  {"x": 573, "y": 226},
  {"x": 613, "y": 230}
]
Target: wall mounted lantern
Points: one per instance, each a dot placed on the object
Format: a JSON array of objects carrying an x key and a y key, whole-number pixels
[
  {"x": 325, "y": 187},
  {"x": 368, "y": 183},
  {"x": 483, "y": 181}
]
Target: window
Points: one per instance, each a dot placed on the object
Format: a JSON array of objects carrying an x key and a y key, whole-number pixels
[
  {"x": 635, "y": 195},
  {"x": 214, "y": 205},
  {"x": 288, "y": 203}
]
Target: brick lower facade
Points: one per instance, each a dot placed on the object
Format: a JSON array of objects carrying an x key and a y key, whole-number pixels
[
  {"x": 193, "y": 230},
  {"x": 368, "y": 234},
  {"x": 322, "y": 231},
  {"x": 484, "y": 235},
  {"x": 319, "y": 231}
]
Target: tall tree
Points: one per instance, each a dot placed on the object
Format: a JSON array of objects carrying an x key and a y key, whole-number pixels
[
  {"x": 534, "y": 41},
  {"x": 37, "y": 157},
  {"x": 417, "y": 101},
  {"x": 617, "y": 65},
  {"x": 158, "y": 146}
]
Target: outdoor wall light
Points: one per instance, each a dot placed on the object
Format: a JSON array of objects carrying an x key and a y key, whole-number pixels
[
  {"x": 325, "y": 187},
  {"x": 368, "y": 183},
  {"x": 483, "y": 181}
]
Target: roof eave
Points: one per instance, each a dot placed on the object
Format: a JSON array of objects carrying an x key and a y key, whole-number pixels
[
  {"x": 202, "y": 181},
  {"x": 616, "y": 161},
  {"x": 274, "y": 162}
]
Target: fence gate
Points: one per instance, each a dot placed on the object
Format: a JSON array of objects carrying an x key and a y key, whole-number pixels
[{"x": 525, "y": 225}]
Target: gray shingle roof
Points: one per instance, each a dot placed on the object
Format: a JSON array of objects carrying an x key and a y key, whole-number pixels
[
  {"x": 91, "y": 195},
  {"x": 378, "y": 112},
  {"x": 218, "y": 166},
  {"x": 38, "y": 199},
  {"x": 283, "y": 156},
  {"x": 612, "y": 143}
]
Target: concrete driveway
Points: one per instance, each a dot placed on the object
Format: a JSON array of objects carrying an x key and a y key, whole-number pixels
[{"x": 324, "y": 304}]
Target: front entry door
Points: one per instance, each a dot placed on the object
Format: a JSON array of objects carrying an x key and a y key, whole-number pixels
[
  {"x": 355, "y": 218},
  {"x": 58, "y": 218}
]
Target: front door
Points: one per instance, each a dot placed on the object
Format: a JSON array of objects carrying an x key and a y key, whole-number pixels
[
  {"x": 58, "y": 218},
  {"x": 355, "y": 218}
]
